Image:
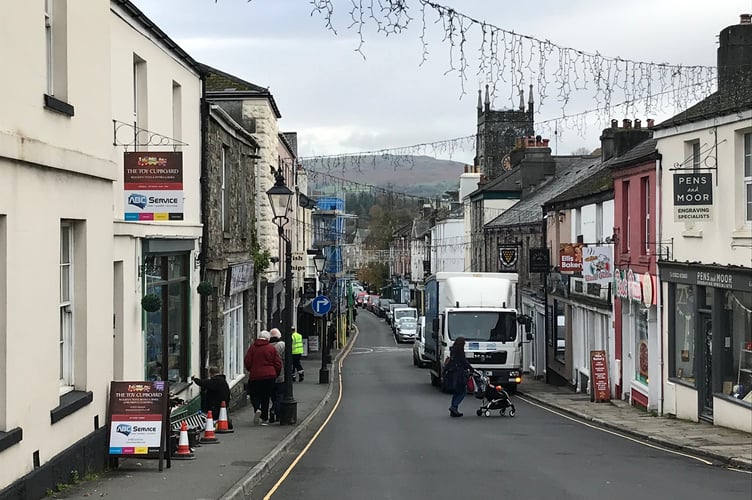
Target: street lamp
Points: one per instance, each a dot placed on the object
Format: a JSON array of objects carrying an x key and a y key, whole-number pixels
[
  {"x": 280, "y": 197},
  {"x": 319, "y": 263}
]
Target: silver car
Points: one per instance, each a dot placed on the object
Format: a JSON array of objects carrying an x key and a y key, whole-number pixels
[{"x": 406, "y": 329}]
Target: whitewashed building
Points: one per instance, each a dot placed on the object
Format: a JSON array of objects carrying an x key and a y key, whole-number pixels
[{"x": 706, "y": 223}]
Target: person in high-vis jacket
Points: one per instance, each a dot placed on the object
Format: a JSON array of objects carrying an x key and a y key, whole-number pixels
[{"x": 297, "y": 353}]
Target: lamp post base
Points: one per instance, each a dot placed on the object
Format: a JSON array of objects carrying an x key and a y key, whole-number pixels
[
  {"x": 288, "y": 412},
  {"x": 324, "y": 375}
]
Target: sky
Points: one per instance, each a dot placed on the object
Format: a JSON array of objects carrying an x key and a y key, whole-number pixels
[{"x": 400, "y": 90}]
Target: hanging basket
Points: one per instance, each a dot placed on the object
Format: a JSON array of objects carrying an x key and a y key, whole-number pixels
[
  {"x": 204, "y": 288},
  {"x": 151, "y": 302}
]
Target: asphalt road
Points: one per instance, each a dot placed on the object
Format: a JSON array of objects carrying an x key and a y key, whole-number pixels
[{"x": 392, "y": 438}]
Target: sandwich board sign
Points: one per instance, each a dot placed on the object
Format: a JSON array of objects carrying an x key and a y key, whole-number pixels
[{"x": 137, "y": 420}]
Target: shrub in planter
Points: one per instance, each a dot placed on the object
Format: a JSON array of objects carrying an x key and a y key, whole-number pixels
[
  {"x": 204, "y": 288},
  {"x": 151, "y": 302}
]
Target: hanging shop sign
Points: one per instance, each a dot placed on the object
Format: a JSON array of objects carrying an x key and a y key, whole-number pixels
[
  {"x": 299, "y": 262},
  {"x": 631, "y": 286},
  {"x": 138, "y": 419},
  {"x": 153, "y": 186},
  {"x": 693, "y": 197},
  {"x": 597, "y": 264},
  {"x": 241, "y": 277},
  {"x": 508, "y": 256},
  {"x": 570, "y": 257},
  {"x": 601, "y": 392},
  {"x": 309, "y": 288},
  {"x": 539, "y": 260}
]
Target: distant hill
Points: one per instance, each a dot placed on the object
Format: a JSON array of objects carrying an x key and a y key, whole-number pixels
[{"x": 419, "y": 175}]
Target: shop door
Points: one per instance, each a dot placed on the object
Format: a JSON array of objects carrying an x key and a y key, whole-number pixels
[{"x": 706, "y": 383}]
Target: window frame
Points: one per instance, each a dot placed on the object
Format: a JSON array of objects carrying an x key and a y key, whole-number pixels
[
  {"x": 66, "y": 331},
  {"x": 233, "y": 335}
]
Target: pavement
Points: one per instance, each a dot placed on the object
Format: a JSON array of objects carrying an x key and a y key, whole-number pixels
[{"x": 230, "y": 469}]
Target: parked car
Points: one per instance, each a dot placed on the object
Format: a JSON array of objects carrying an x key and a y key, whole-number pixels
[
  {"x": 390, "y": 312},
  {"x": 406, "y": 329},
  {"x": 360, "y": 299},
  {"x": 419, "y": 344},
  {"x": 373, "y": 303},
  {"x": 384, "y": 307},
  {"x": 399, "y": 313}
]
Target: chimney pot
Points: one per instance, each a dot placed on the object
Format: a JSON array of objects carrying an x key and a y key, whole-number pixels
[
  {"x": 637, "y": 123},
  {"x": 626, "y": 123},
  {"x": 745, "y": 19},
  {"x": 465, "y": 168},
  {"x": 545, "y": 143},
  {"x": 651, "y": 122},
  {"x": 614, "y": 123}
]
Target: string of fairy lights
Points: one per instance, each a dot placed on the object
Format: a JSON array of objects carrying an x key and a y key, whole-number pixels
[{"x": 508, "y": 59}]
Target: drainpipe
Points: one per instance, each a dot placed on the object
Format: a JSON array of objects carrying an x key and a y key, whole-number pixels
[
  {"x": 204, "y": 304},
  {"x": 659, "y": 298},
  {"x": 545, "y": 305}
]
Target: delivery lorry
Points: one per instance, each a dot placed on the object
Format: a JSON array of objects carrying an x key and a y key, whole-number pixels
[{"x": 482, "y": 308}]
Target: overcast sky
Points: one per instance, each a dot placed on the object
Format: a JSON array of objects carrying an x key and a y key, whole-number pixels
[{"x": 339, "y": 102}]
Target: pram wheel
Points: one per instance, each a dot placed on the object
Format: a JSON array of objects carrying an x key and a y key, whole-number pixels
[
  {"x": 501, "y": 412},
  {"x": 479, "y": 412},
  {"x": 512, "y": 412},
  {"x": 487, "y": 413}
]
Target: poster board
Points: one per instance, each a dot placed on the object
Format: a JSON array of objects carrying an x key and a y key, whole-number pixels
[
  {"x": 138, "y": 420},
  {"x": 601, "y": 391}
]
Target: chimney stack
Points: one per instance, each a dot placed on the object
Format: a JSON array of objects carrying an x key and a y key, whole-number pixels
[
  {"x": 745, "y": 19},
  {"x": 616, "y": 141},
  {"x": 735, "y": 54},
  {"x": 651, "y": 122}
]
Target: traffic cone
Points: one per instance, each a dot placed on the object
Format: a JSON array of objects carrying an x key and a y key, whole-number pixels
[
  {"x": 184, "y": 451},
  {"x": 223, "y": 425},
  {"x": 209, "y": 436}
]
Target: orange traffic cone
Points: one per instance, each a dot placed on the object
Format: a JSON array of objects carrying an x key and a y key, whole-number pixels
[
  {"x": 223, "y": 425},
  {"x": 184, "y": 451},
  {"x": 209, "y": 436}
]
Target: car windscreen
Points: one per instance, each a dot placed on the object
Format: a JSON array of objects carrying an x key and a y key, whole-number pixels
[
  {"x": 405, "y": 313},
  {"x": 483, "y": 326},
  {"x": 409, "y": 323}
]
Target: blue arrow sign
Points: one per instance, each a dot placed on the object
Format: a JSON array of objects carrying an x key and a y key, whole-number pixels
[{"x": 321, "y": 304}]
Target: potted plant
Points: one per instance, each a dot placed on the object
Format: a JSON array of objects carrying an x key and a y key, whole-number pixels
[
  {"x": 151, "y": 302},
  {"x": 204, "y": 288}
]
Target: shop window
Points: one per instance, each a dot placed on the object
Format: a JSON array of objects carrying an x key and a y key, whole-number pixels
[
  {"x": 167, "y": 328},
  {"x": 736, "y": 367},
  {"x": 140, "y": 99},
  {"x": 561, "y": 332},
  {"x": 682, "y": 362},
  {"x": 641, "y": 347},
  {"x": 177, "y": 112},
  {"x": 233, "y": 330}
]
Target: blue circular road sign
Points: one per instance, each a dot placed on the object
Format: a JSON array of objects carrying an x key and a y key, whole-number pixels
[{"x": 321, "y": 304}]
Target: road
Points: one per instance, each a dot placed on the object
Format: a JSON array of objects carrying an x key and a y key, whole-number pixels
[{"x": 391, "y": 437}]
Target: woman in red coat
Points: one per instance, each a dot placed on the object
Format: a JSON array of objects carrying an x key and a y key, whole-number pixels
[{"x": 263, "y": 365}]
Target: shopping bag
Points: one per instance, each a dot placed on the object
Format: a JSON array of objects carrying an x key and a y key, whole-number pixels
[{"x": 470, "y": 384}]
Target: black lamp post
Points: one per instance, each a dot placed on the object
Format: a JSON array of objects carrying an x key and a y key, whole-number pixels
[
  {"x": 319, "y": 262},
  {"x": 280, "y": 197}
]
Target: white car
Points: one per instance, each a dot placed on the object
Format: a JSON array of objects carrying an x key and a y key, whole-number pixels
[
  {"x": 419, "y": 344},
  {"x": 405, "y": 329}
]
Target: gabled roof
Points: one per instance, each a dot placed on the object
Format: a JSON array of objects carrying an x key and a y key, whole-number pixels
[
  {"x": 421, "y": 227},
  {"x": 732, "y": 98},
  {"x": 599, "y": 186},
  {"x": 224, "y": 85},
  {"x": 511, "y": 180},
  {"x": 569, "y": 171},
  {"x": 646, "y": 150}
]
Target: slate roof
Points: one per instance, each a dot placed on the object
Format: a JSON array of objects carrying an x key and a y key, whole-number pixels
[
  {"x": 570, "y": 170},
  {"x": 643, "y": 151},
  {"x": 421, "y": 227},
  {"x": 600, "y": 182},
  {"x": 221, "y": 84},
  {"x": 510, "y": 180},
  {"x": 731, "y": 99}
]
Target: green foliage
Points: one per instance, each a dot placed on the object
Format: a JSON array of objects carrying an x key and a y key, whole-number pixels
[
  {"x": 260, "y": 256},
  {"x": 204, "y": 288},
  {"x": 375, "y": 274},
  {"x": 151, "y": 302}
]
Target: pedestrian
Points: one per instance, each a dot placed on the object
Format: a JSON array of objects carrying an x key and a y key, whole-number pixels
[
  {"x": 297, "y": 353},
  {"x": 263, "y": 365},
  {"x": 214, "y": 390},
  {"x": 279, "y": 382},
  {"x": 457, "y": 372}
]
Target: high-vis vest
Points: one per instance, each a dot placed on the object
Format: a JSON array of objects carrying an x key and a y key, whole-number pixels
[{"x": 297, "y": 343}]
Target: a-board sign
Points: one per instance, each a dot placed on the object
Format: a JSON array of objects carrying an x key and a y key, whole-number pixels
[
  {"x": 138, "y": 422},
  {"x": 601, "y": 392}
]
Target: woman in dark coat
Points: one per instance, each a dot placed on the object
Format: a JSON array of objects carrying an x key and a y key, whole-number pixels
[{"x": 458, "y": 373}]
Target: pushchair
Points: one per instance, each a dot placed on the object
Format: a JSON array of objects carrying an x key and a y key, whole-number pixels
[{"x": 492, "y": 397}]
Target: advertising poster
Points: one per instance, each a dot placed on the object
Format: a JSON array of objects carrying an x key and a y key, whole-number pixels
[
  {"x": 597, "y": 264},
  {"x": 570, "y": 257},
  {"x": 138, "y": 412},
  {"x": 599, "y": 372},
  {"x": 693, "y": 197},
  {"x": 153, "y": 186}
]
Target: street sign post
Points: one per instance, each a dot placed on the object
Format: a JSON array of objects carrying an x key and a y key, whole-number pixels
[{"x": 321, "y": 305}]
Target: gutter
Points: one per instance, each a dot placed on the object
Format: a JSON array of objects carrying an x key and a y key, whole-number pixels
[{"x": 204, "y": 180}]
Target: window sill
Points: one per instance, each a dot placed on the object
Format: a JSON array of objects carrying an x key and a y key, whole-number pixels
[
  {"x": 58, "y": 106},
  {"x": 8, "y": 439},
  {"x": 70, "y": 403},
  {"x": 679, "y": 381},
  {"x": 692, "y": 233},
  {"x": 726, "y": 397},
  {"x": 742, "y": 234}
]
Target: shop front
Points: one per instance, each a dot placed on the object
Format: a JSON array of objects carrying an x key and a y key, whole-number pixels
[
  {"x": 709, "y": 327},
  {"x": 636, "y": 317}
]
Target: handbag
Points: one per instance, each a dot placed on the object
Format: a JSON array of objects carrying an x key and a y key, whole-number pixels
[{"x": 470, "y": 384}]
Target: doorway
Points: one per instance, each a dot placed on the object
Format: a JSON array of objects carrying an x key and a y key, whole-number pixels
[{"x": 706, "y": 383}]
